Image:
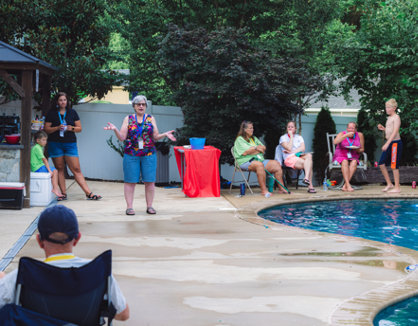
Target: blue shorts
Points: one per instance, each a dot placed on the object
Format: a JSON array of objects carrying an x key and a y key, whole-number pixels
[
  {"x": 246, "y": 165},
  {"x": 44, "y": 169},
  {"x": 136, "y": 166},
  {"x": 56, "y": 149},
  {"x": 392, "y": 155}
]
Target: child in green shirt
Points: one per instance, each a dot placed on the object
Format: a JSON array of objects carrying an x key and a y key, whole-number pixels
[{"x": 39, "y": 163}]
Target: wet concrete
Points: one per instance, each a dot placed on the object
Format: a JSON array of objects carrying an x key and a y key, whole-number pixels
[{"x": 213, "y": 261}]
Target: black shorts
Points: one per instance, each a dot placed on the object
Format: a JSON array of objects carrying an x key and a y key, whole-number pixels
[{"x": 392, "y": 156}]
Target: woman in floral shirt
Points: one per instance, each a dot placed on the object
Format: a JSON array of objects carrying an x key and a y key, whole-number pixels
[{"x": 139, "y": 132}]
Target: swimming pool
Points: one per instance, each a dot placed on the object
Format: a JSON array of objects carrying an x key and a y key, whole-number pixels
[
  {"x": 400, "y": 314},
  {"x": 393, "y": 221}
]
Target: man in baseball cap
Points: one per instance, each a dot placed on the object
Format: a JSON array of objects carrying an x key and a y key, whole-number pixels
[
  {"x": 58, "y": 234},
  {"x": 58, "y": 224}
]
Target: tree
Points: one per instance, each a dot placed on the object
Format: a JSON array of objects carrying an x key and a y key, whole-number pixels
[
  {"x": 324, "y": 123},
  {"x": 366, "y": 126},
  {"x": 219, "y": 80},
  {"x": 379, "y": 60},
  {"x": 284, "y": 28},
  {"x": 70, "y": 35}
]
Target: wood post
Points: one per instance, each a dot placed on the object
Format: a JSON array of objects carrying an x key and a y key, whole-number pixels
[{"x": 25, "y": 133}]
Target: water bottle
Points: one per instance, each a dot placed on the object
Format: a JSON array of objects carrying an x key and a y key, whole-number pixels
[
  {"x": 270, "y": 183},
  {"x": 242, "y": 189},
  {"x": 325, "y": 185},
  {"x": 63, "y": 130}
]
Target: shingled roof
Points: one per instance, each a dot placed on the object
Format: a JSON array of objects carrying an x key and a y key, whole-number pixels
[{"x": 13, "y": 58}]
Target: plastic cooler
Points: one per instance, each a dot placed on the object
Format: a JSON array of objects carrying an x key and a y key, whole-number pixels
[
  {"x": 197, "y": 143},
  {"x": 11, "y": 195},
  {"x": 40, "y": 189}
]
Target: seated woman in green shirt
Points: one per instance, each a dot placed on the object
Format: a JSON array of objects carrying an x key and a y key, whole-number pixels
[
  {"x": 39, "y": 163},
  {"x": 248, "y": 152}
]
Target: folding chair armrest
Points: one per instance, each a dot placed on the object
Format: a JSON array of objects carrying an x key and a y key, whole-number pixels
[
  {"x": 365, "y": 161},
  {"x": 330, "y": 156}
]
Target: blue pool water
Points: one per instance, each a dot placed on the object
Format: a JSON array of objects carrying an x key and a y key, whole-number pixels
[
  {"x": 404, "y": 313},
  {"x": 394, "y": 221}
]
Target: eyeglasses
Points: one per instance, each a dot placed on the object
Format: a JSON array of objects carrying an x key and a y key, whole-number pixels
[{"x": 141, "y": 104}]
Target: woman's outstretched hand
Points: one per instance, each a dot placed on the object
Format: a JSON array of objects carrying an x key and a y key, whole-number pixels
[
  {"x": 170, "y": 136},
  {"x": 110, "y": 126}
]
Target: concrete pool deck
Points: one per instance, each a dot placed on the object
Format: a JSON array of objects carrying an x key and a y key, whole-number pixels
[{"x": 213, "y": 261}]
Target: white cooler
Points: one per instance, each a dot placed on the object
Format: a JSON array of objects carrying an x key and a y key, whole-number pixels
[{"x": 40, "y": 189}]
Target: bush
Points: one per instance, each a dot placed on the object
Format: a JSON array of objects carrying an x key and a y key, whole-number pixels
[
  {"x": 324, "y": 123},
  {"x": 369, "y": 129}
]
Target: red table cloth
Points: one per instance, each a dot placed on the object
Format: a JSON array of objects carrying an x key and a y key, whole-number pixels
[{"x": 201, "y": 171}]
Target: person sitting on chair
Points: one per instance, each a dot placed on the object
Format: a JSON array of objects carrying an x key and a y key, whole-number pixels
[
  {"x": 248, "y": 152},
  {"x": 293, "y": 147},
  {"x": 349, "y": 145},
  {"x": 58, "y": 234}
]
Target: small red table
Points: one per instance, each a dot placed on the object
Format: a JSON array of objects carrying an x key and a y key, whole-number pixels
[{"x": 199, "y": 171}]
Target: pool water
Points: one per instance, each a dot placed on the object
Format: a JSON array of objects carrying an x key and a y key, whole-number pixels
[
  {"x": 404, "y": 313},
  {"x": 393, "y": 221}
]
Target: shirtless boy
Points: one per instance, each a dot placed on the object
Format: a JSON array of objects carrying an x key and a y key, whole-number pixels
[{"x": 392, "y": 149}]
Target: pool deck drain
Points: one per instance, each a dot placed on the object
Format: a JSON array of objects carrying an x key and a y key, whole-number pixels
[{"x": 213, "y": 261}]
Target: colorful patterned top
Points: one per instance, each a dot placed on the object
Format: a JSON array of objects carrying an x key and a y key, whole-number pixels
[{"x": 134, "y": 133}]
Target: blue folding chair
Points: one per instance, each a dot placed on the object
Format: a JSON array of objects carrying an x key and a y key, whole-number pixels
[{"x": 77, "y": 295}]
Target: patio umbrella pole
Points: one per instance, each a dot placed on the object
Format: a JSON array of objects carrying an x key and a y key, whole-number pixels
[{"x": 278, "y": 182}]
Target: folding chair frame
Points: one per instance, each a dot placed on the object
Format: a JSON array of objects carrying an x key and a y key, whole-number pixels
[{"x": 238, "y": 168}]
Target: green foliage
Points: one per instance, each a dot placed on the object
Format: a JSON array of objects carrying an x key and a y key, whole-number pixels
[
  {"x": 285, "y": 28},
  {"x": 219, "y": 79},
  {"x": 369, "y": 129},
  {"x": 379, "y": 60},
  {"x": 67, "y": 34},
  {"x": 118, "y": 147},
  {"x": 324, "y": 123}
]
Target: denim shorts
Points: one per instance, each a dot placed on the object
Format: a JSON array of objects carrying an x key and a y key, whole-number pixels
[
  {"x": 246, "y": 165},
  {"x": 44, "y": 169},
  {"x": 56, "y": 149},
  {"x": 135, "y": 167}
]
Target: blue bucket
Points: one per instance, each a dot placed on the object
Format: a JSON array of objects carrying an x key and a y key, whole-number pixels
[{"x": 197, "y": 143}]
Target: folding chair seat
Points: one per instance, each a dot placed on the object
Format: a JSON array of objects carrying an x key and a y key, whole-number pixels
[
  {"x": 288, "y": 173},
  {"x": 238, "y": 168},
  {"x": 335, "y": 165},
  {"x": 79, "y": 295}
]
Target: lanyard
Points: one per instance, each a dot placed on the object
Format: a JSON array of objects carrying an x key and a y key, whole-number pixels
[
  {"x": 350, "y": 143},
  {"x": 59, "y": 257},
  {"x": 62, "y": 120},
  {"x": 139, "y": 132},
  {"x": 252, "y": 141}
]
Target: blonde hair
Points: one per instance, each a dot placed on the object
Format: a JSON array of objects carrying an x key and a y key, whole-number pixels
[{"x": 392, "y": 102}]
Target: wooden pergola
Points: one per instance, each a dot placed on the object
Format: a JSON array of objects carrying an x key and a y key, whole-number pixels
[{"x": 31, "y": 74}]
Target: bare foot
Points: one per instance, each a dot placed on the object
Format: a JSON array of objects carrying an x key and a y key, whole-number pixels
[
  {"x": 395, "y": 191},
  {"x": 57, "y": 193},
  {"x": 388, "y": 187}
]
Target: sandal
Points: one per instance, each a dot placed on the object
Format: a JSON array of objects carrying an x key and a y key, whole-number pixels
[
  {"x": 306, "y": 182},
  {"x": 130, "y": 211},
  {"x": 151, "y": 210},
  {"x": 90, "y": 196},
  {"x": 61, "y": 198},
  {"x": 312, "y": 191}
]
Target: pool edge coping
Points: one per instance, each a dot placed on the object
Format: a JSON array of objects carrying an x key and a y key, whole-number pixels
[{"x": 362, "y": 309}]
